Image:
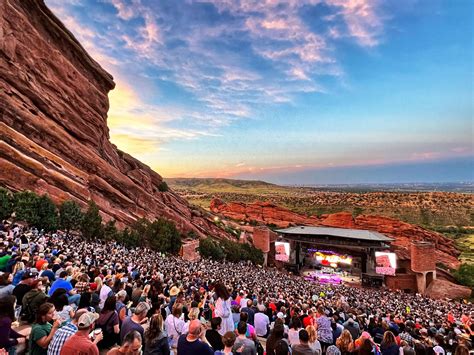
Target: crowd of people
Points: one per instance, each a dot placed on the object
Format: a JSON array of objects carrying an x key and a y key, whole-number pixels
[{"x": 91, "y": 297}]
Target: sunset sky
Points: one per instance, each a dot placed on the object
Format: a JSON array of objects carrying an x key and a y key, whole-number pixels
[{"x": 297, "y": 92}]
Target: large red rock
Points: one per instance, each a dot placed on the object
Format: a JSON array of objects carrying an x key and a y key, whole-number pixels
[
  {"x": 440, "y": 288},
  {"x": 403, "y": 233},
  {"x": 53, "y": 126}
]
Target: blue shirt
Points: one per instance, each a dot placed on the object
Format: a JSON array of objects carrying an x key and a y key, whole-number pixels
[{"x": 60, "y": 283}]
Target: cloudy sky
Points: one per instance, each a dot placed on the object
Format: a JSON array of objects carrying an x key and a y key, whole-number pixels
[{"x": 297, "y": 91}]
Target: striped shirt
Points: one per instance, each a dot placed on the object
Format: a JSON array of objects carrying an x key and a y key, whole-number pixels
[{"x": 60, "y": 337}]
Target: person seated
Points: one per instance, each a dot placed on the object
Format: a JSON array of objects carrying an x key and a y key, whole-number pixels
[
  {"x": 32, "y": 300},
  {"x": 42, "y": 331},
  {"x": 80, "y": 343},
  {"x": 229, "y": 340},
  {"x": 9, "y": 338}
]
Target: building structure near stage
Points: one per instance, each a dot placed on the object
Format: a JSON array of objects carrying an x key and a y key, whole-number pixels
[{"x": 366, "y": 254}]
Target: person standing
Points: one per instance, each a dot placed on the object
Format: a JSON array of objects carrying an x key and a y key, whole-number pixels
[
  {"x": 223, "y": 308},
  {"x": 195, "y": 341}
]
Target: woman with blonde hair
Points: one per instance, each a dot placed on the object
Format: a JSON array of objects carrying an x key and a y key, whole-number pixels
[
  {"x": 345, "y": 342},
  {"x": 18, "y": 270},
  {"x": 192, "y": 315},
  {"x": 313, "y": 342}
]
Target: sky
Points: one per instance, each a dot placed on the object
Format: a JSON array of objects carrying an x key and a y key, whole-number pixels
[{"x": 291, "y": 92}]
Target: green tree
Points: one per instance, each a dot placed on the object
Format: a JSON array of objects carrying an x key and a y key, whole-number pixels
[
  {"x": 465, "y": 275},
  {"x": 110, "y": 231},
  {"x": 163, "y": 236},
  {"x": 91, "y": 224},
  {"x": 25, "y": 205},
  {"x": 47, "y": 214},
  {"x": 6, "y": 203},
  {"x": 209, "y": 248},
  {"x": 70, "y": 216}
]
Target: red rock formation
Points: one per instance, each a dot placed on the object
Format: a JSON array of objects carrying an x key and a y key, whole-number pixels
[
  {"x": 262, "y": 212},
  {"x": 403, "y": 233},
  {"x": 445, "y": 289},
  {"x": 53, "y": 126}
]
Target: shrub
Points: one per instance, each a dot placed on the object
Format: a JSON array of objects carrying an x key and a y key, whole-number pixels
[
  {"x": 47, "y": 214},
  {"x": 25, "y": 205},
  {"x": 465, "y": 275},
  {"x": 163, "y": 187},
  {"x": 6, "y": 203},
  {"x": 91, "y": 224},
  {"x": 70, "y": 216},
  {"x": 110, "y": 231},
  {"x": 163, "y": 236},
  {"x": 209, "y": 248}
]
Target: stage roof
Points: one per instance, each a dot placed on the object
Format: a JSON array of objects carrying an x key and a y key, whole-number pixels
[{"x": 355, "y": 234}]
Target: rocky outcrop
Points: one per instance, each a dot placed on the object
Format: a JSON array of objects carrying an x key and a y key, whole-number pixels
[
  {"x": 403, "y": 233},
  {"x": 260, "y": 212},
  {"x": 53, "y": 126},
  {"x": 440, "y": 288}
]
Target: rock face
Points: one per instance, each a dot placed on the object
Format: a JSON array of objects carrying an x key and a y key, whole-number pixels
[
  {"x": 403, "y": 233},
  {"x": 53, "y": 126},
  {"x": 440, "y": 288}
]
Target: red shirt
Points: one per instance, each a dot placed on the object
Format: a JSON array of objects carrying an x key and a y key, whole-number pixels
[
  {"x": 79, "y": 344},
  {"x": 308, "y": 320},
  {"x": 40, "y": 263}
]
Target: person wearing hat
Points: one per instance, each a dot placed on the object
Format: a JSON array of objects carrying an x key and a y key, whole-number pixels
[{"x": 80, "y": 343}]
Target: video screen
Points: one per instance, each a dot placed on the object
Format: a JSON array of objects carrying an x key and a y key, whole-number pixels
[
  {"x": 329, "y": 258},
  {"x": 282, "y": 251},
  {"x": 386, "y": 263}
]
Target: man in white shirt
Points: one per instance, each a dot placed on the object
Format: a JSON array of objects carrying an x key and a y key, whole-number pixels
[
  {"x": 105, "y": 291},
  {"x": 261, "y": 322}
]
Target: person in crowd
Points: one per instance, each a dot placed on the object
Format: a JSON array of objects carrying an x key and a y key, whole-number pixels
[
  {"x": 223, "y": 308},
  {"x": 250, "y": 311},
  {"x": 313, "y": 341},
  {"x": 303, "y": 348},
  {"x": 131, "y": 345},
  {"x": 212, "y": 335},
  {"x": 64, "y": 333},
  {"x": 389, "y": 344},
  {"x": 155, "y": 338},
  {"x": 174, "y": 325},
  {"x": 242, "y": 344},
  {"x": 275, "y": 336},
  {"x": 63, "y": 282},
  {"x": 136, "y": 321},
  {"x": 80, "y": 343},
  {"x": 345, "y": 343},
  {"x": 122, "y": 308},
  {"x": 366, "y": 347},
  {"x": 192, "y": 315},
  {"x": 324, "y": 329},
  {"x": 32, "y": 300},
  {"x": 108, "y": 321},
  {"x": 282, "y": 348},
  {"x": 262, "y": 321},
  {"x": 42, "y": 331},
  {"x": 61, "y": 303},
  {"x": 6, "y": 286},
  {"x": 105, "y": 291},
  {"x": 195, "y": 341},
  {"x": 228, "y": 340},
  {"x": 251, "y": 334},
  {"x": 294, "y": 332},
  {"x": 23, "y": 286},
  {"x": 9, "y": 338}
]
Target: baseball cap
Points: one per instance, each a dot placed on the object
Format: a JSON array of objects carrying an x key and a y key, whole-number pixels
[{"x": 87, "y": 319}]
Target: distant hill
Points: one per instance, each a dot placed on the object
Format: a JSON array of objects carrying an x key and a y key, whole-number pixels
[{"x": 432, "y": 209}]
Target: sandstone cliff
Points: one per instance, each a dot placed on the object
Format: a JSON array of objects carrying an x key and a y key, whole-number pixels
[
  {"x": 53, "y": 126},
  {"x": 403, "y": 233}
]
